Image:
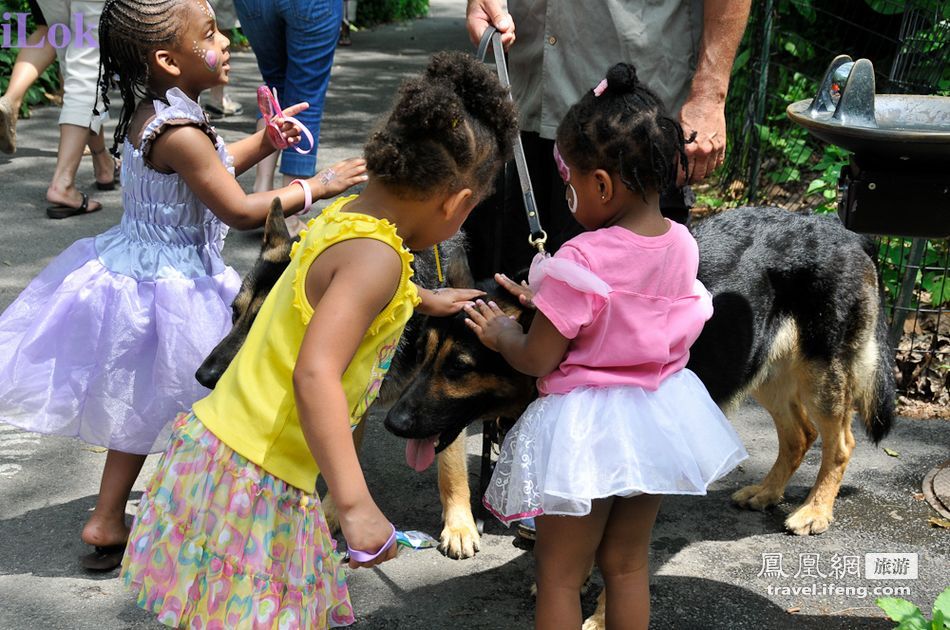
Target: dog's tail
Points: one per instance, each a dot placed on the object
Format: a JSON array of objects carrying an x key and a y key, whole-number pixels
[{"x": 876, "y": 389}]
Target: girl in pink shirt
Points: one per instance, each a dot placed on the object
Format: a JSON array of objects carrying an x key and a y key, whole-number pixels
[{"x": 620, "y": 421}]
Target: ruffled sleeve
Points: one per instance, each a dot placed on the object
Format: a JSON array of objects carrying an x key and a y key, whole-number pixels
[
  {"x": 332, "y": 227},
  {"x": 179, "y": 111},
  {"x": 566, "y": 290}
]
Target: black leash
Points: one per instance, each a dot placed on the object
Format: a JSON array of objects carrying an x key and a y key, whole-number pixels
[{"x": 537, "y": 237}]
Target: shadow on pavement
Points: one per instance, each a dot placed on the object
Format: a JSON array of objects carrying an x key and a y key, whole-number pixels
[{"x": 54, "y": 545}]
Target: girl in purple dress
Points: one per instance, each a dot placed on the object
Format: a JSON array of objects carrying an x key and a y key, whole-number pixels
[{"x": 104, "y": 343}]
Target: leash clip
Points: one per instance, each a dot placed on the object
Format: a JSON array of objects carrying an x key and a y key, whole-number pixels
[{"x": 539, "y": 241}]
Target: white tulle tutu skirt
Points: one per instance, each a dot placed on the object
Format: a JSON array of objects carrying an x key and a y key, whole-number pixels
[{"x": 592, "y": 443}]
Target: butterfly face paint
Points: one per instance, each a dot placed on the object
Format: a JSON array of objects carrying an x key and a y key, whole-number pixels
[
  {"x": 210, "y": 57},
  {"x": 205, "y": 8},
  {"x": 565, "y": 172},
  {"x": 571, "y": 195}
]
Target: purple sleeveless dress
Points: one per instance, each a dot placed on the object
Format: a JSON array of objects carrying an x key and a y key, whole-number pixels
[{"x": 103, "y": 344}]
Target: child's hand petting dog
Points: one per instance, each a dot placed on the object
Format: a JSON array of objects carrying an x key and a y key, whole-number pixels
[
  {"x": 490, "y": 323},
  {"x": 446, "y": 301},
  {"x": 521, "y": 291},
  {"x": 332, "y": 181}
]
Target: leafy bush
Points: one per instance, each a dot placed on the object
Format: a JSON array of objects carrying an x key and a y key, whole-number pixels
[
  {"x": 370, "y": 12},
  {"x": 48, "y": 83},
  {"x": 909, "y": 616}
]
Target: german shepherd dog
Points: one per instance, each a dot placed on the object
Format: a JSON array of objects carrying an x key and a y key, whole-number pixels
[{"x": 797, "y": 324}]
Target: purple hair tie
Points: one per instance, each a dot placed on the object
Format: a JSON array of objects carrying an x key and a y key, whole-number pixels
[{"x": 600, "y": 87}]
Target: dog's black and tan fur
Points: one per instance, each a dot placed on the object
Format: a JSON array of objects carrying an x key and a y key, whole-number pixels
[{"x": 797, "y": 325}]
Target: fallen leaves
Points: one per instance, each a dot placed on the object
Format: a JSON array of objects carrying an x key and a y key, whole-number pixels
[{"x": 923, "y": 366}]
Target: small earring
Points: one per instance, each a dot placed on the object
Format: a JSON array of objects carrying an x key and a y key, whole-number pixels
[{"x": 603, "y": 196}]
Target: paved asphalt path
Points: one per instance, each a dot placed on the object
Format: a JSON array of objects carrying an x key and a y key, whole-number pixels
[{"x": 708, "y": 556}]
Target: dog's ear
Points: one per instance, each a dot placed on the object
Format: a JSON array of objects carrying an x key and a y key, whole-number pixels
[
  {"x": 276, "y": 234},
  {"x": 508, "y": 303},
  {"x": 457, "y": 272}
]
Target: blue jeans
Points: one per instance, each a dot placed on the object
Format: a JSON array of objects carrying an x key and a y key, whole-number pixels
[{"x": 294, "y": 41}]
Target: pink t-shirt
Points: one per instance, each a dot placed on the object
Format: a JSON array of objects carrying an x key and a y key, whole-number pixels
[{"x": 638, "y": 326}]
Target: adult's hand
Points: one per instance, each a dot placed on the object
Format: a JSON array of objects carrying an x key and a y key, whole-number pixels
[
  {"x": 705, "y": 116},
  {"x": 484, "y": 13},
  {"x": 724, "y": 21}
]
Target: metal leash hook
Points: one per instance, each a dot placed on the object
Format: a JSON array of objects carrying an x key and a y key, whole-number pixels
[{"x": 537, "y": 236}]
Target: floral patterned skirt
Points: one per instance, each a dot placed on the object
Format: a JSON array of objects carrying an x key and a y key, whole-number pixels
[{"x": 220, "y": 543}]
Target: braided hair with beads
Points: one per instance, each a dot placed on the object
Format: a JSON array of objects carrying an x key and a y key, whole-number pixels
[
  {"x": 450, "y": 128},
  {"x": 129, "y": 30},
  {"x": 624, "y": 129}
]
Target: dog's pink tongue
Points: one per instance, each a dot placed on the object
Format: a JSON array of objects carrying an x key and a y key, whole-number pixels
[{"x": 420, "y": 454}]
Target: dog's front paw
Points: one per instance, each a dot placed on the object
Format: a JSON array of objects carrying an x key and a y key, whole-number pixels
[
  {"x": 756, "y": 497},
  {"x": 459, "y": 537},
  {"x": 809, "y": 519},
  {"x": 598, "y": 621}
]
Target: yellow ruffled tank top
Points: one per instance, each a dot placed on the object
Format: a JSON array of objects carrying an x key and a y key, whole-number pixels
[{"x": 252, "y": 409}]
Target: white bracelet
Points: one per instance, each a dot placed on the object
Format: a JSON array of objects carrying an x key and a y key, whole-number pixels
[{"x": 307, "y": 194}]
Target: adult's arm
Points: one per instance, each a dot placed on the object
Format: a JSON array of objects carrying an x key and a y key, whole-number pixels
[{"x": 724, "y": 22}]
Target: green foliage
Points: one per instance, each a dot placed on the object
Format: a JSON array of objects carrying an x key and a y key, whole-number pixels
[
  {"x": 825, "y": 174},
  {"x": 48, "y": 82},
  {"x": 894, "y": 254},
  {"x": 909, "y": 617},
  {"x": 370, "y": 12},
  {"x": 237, "y": 39},
  {"x": 797, "y": 160},
  {"x": 804, "y": 36}
]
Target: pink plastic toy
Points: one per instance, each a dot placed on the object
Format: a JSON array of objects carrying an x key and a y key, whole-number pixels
[{"x": 274, "y": 116}]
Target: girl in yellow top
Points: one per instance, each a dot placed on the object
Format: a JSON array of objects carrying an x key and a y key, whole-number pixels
[{"x": 230, "y": 532}]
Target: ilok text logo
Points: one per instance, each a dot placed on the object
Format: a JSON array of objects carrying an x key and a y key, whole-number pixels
[{"x": 59, "y": 35}]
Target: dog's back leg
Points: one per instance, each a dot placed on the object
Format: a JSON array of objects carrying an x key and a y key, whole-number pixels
[
  {"x": 459, "y": 538},
  {"x": 779, "y": 395},
  {"x": 830, "y": 406}
]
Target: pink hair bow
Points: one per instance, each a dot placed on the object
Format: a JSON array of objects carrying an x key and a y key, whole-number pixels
[{"x": 562, "y": 168}]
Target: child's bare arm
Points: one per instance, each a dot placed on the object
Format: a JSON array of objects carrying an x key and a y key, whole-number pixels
[
  {"x": 535, "y": 353},
  {"x": 349, "y": 284},
  {"x": 187, "y": 151},
  {"x": 250, "y": 150}
]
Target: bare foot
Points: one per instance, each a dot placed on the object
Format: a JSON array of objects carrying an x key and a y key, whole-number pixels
[{"x": 101, "y": 531}]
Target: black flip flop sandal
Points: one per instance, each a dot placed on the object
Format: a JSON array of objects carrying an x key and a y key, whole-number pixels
[
  {"x": 64, "y": 212},
  {"x": 103, "y": 558}
]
